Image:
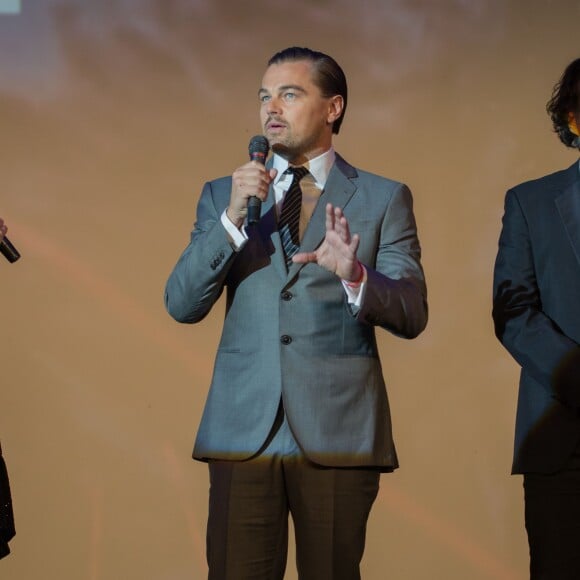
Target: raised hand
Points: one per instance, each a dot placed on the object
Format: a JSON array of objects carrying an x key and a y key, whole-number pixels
[{"x": 337, "y": 253}]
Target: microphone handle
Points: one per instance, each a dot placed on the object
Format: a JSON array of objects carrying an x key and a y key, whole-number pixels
[
  {"x": 254, "y": 210},
  {"x": 8, "y": 250},
  {"x": 255, "y": 203}
]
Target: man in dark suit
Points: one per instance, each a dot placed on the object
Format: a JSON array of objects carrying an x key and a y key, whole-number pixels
[
  {"x": 7, "y": 530},
  {"x": 6, "y": 517},
  {"x": 297, "y": 418},
  {"x": 537, "y": 318}
]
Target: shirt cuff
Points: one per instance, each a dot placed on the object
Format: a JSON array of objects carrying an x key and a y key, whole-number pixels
[
  {"x": 356, "y": 294},
  {"x": 236, "y": 237}
]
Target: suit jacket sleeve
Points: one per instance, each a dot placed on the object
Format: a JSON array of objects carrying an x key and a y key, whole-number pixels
[
  {"x": 531, "y": 337},
  {"x": 395, "y": 295},
  {"x": 197, "y": 280}
]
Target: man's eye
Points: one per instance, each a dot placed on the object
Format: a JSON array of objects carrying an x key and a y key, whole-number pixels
[
  {"x": 264, "y": 98},
  {"x": 289, "y": 96}
]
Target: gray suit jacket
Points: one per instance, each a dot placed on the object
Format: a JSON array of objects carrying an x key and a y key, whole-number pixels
[
  {"x": 292, "y": 334},
  {"x": 537, "y": 315}
]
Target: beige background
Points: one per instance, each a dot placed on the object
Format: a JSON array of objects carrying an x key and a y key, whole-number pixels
[{"x": 112, "y": 115}]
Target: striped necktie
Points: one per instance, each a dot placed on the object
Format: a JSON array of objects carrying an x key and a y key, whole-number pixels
[{"x": 289, "y": 221}]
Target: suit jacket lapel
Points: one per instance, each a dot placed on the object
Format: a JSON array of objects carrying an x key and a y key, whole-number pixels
[
  {"x": 338, "y": 190},
  {"x": 568, "y": 204}
]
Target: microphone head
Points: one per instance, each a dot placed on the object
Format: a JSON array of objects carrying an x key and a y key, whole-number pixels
[{"x": 258, "y": 148}]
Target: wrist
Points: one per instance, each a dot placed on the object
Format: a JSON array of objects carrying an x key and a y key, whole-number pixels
[
  {"x": 236, "y": 220},
  {"x": 359, "y": 279}
]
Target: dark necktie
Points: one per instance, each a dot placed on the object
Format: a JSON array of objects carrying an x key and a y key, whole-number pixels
[{"x": 289, "y": 221}]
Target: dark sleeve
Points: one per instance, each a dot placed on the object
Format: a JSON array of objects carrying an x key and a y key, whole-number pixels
[
  {"x": 7, "y": 530},
  {"x": 530, "y": 336}
]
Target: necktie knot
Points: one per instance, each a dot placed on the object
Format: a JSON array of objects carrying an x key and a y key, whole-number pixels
[{"x": 298, "y": 172}]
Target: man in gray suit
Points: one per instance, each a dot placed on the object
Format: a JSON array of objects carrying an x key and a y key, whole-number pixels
[
  {"x": 536, "y": 312},
  {"x": 297, "y": 418}
]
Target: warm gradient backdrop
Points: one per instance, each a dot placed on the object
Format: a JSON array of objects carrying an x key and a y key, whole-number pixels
[{"x": 112, "y": 115}]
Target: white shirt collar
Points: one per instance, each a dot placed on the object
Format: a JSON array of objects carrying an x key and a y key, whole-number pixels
[{"x": 319, "y": 167}]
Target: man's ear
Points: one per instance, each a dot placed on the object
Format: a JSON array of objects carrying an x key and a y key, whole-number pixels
[{"x": 335, "y": 108}]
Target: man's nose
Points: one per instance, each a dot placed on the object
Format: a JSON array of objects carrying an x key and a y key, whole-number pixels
[{"x": 273, "y": 106}]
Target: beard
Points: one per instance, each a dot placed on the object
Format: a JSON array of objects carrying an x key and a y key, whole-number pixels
[{"x": 292, "y": 149}]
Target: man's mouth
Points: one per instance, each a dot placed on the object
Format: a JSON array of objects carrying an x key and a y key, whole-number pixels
[{"x": 275, "y": 125}]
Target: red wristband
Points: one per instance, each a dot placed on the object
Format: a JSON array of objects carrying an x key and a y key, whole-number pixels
[{"x": 358, "y": 281}]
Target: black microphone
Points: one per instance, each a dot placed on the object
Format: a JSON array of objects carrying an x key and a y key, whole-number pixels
[
  {"x": 258, "y": 150},
  {"x": 8, "y": 250}
]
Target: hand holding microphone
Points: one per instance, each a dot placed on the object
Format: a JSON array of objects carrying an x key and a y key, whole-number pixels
[
  {"x": 258, "y": 150},
  {"x": 6, "y": 247},
  {"x": 250, "y": 185}
]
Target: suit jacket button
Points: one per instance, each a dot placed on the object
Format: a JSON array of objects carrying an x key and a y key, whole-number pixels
[
  {"x": 285, "y": 339},
  {"x": 286, "y": 295}
]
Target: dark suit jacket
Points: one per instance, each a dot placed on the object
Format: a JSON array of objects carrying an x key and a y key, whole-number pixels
[
  {"x": 7, "y": 530},
  {"x": 537, "y": 315},
  {"x": 291, "y": 334}
]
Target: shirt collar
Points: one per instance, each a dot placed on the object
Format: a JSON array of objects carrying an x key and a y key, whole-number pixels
[{"x": 319, "y": 167}]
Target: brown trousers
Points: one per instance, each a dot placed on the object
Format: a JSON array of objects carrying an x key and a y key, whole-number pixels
[{"x": 247, "y": 536}]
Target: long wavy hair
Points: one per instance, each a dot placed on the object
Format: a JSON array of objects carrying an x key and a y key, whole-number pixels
[{"x": 565, "y": 100}]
